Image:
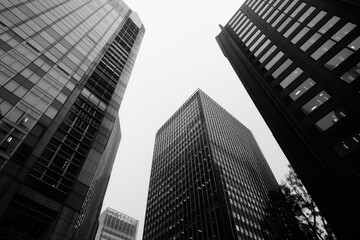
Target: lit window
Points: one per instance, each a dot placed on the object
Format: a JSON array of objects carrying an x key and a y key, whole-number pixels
[
  {"x": 274, "y": 60},
  {"x": 263, "y": 46},
  {"x": 272, "y": 16},
  {"x": 283, "y": 4},
  {"x": 252, "y": 38},
  {"x": 331, "y": 119},
  {"x": 306, "y": 14},
  {"x": 338, "y": 58},
  {"x": 283, "y": 25},
  {"x": 351, "y": 74},
  {"x": 301, "y": 6},
  {"x": 267, "y": 12},
  {"x": 291, "y": 77},
  {"x": 291, "y": 29},
  {"x": 310, "y": 41},
  {"x": 300, "y": 35},
  {"x": 329, "y": 24},
  {"x": 302, "y": 88},
  {"x": 348, "y": 145},
  {"x": 277, "y": 20},
  {"x": 316, "y": 19},
  {"x": 282, "y": 68},
  {"x": 354, "y": 45},
  {"x": 323, "y": 49},
  {"x": 257, "y": 42},
  {"x": 292, "y": 4},
  {"x": 343, "y": 31},
  {"x": 267, "y": 54},
  {"x": 315, "y": 102},
  {"x": 248, "y": 34}
]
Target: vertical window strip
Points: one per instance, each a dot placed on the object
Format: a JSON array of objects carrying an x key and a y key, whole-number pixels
[
  {"x": 235, "y": 17},
  {"x": 252, "y": 38},
  {"x": 235, "y": 23}
]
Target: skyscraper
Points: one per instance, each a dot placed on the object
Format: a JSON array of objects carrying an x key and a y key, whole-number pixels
[
  {"x": 64, "y": 69},
  {"x": 209, "y": 179},
  {"x": 299, "y": 62},
  {"x": 115, "y": 225}
]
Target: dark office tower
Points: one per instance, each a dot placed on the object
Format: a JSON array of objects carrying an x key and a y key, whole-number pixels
[
  {"x": 64, "y": 69},
  {"x": 209, "y": 179},
  {"x": 299, "y": 62},
  {"x": 115, "y": 225}
]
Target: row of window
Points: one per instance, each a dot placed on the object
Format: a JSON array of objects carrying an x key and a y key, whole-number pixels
[
  {"x": 321, "y": 97},
  {"x": 316, "y": 54}
]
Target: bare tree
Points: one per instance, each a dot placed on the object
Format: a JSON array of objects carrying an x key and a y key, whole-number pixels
[{"x": 311, "y": 222}]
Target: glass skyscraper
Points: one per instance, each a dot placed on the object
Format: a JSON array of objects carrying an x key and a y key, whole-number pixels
[
  {"x": 299, "y": 62},
  {"x": 64, "y": 68},
  {"x": 114, "y": 225},
  {"x": 209, "y": 179}
]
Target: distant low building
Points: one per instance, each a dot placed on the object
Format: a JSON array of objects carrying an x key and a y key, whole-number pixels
[{"x": 114, "y": 225}]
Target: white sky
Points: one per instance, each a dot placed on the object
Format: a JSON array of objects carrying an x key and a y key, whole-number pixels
[{"x": 178, "y": 54}]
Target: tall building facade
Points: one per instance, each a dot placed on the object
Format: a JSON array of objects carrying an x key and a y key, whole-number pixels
[
  {"x": 299, "y": 62},
  {"x": 115, "y": 225},
  {"x": 209, "y": 179},
  {"x": 64, "y": 69}
]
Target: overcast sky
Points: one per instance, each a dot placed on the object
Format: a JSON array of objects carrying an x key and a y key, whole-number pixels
[{"x": 178, "y": 54}]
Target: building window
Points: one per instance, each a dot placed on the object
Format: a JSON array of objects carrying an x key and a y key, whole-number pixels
[
  {"x": 351, "y": 74},
  {"x": 267, "y": 54},
  {"x": 266, "y": 43},
  {"x": 330, "y": 119},
  {"x": 282, "y": 68},
  {"x": 300, "y": 35},
  {"x": 323, "y": 49},
  {"x": 257, "y": 43},
  {"x": 316, "y": 19},
  {"x": 291, "y": 29},
  {"x": 315, "y": 102},
  {"x": 338, "y": 58},
  {"x": 329, "y": 24},
  {"x": 291, "y": 77},
  {"x": 252, "y": 38},
  {"x": 274, "y": 60},
  {"x": 310, "y": 41},
  {"x": 348, "y": 145},
  {"x": 302, "y": 88},
  {"x": 343, "y": 54},
  {"x": 343, "y": 32}
]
